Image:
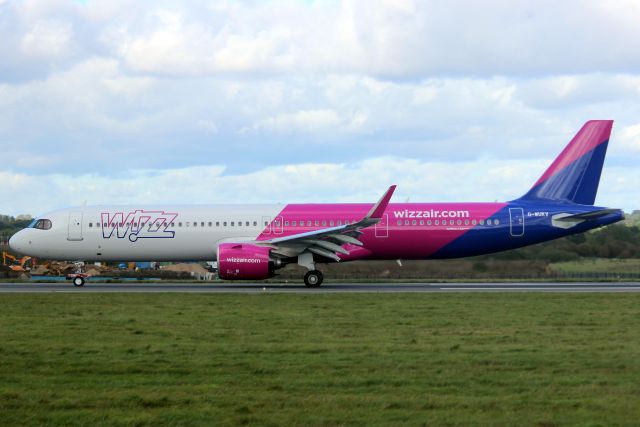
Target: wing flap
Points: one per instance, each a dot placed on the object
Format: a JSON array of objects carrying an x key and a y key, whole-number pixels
[{"x": 328, "y": 242}]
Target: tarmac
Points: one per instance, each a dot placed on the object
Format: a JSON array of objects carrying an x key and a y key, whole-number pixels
[{"x": 257, "y": 288}]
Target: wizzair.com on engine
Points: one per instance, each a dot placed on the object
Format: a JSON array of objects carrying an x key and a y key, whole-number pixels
[{"x": 252, "y": 242}]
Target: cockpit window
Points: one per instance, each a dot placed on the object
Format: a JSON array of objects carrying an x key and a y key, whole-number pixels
[{"x": 41, "y": 224}]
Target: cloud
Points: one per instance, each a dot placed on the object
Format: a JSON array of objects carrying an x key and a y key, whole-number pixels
[
  {"x": 409, "y": 38},
  {"x": 384, "y": 39},
  {"x": 363, "y": 181},
  {"x": 100, "y": 91},
  {"x": 47, "y": 39},
  {"x": 630, "y": 138},
  {"x": 305, "y": 121}
]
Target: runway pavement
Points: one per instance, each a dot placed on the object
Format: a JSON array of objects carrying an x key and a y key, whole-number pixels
[{"x": 253, "y": 288}]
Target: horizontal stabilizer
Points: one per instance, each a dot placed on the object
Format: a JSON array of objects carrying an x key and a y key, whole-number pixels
[
  {"x": 567, "y": 220},
  {"x": 590, "y": 215}
]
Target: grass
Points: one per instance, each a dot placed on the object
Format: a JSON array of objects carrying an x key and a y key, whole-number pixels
[
  {"x": 598, "y": 266},
  {"x": 355, "y": 359}
]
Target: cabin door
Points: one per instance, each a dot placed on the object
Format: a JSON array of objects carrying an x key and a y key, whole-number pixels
[
  {"x": 278, "y": 225},
  {"x": 382, "y": 227},
  {"x": 517, "y": 222},
  {"x": 75, "y": 226}
]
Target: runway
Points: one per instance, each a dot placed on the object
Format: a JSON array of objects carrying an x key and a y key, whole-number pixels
[{"x": 253, "y": 288}]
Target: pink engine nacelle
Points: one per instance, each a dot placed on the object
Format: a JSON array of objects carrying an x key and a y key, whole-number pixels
[{"x": 238, "y": 261}]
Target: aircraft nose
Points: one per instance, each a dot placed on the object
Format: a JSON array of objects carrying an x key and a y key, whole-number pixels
[{"x": 16, "y": 242}]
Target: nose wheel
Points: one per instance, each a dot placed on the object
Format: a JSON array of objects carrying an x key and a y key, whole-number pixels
[
  {"x": 313, "y": 279},
  {"x": 78, "y": 281}
]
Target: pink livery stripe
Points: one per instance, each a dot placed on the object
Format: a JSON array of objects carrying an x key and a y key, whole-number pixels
[{"x": 406, "y": 230}]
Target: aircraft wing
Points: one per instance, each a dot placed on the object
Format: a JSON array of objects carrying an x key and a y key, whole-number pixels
[{"x": 328, "y": 242}]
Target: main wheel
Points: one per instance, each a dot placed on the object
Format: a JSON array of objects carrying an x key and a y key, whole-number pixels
[
  {"x": 78, "y": 281},
  {"x": 313, "y": 279}
]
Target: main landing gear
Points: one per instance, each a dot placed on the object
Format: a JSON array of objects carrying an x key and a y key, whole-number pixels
[{"x": 313, "y": 279}]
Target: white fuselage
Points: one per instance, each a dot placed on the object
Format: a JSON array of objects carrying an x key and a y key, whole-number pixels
[{"x": 134, "y": 233}]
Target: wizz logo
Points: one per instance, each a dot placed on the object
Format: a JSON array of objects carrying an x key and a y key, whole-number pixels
[{"x": 139, "y": 224}]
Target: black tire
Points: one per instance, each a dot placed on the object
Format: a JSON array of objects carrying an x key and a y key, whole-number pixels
[
  {"x": 313, "y": 279},
  {"x": 78, "y": 281}
]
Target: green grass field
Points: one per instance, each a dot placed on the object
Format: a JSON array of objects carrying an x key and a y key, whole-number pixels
[
  {"x": 598, "y": 265},
  {"x": 355, "y": 359}
]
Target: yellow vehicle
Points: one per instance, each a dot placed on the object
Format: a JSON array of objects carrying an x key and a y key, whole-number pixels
[{"x": 18, "y": 265}]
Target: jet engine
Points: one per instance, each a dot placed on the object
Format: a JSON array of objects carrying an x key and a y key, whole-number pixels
[{"x": 239, "y": 261}]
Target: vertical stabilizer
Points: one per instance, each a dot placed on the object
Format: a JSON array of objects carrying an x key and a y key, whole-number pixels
[{"x": 575, "y": 174}]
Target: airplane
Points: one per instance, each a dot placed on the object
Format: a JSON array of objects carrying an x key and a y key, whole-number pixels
[{"x": 252, "y": 242}]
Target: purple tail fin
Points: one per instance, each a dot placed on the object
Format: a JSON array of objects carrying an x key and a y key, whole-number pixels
[{"x": 575, "y": 174}]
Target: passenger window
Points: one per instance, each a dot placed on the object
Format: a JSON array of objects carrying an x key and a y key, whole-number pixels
[
  {"x": 317, "y": 223},
  {"x": 459, "y": 222},
  {"x": 286, "y": 223},
  {"x": 90, "y": 225},
  {"x": 339, "y": 222},
  {"x": 466, "y": 222},
  {"x": 474, "y": 222},
  {"x": 482, "y": 222},
  {"x": 450, "y": 222},
  {"x": 421, "y": 222},
  {"x": 428, "y": 222},
  {"x": 224, "y": 224},
  {"x": 496, "y": 222},
  {"x": 217, "y": 223},
  {"x": 399, "y": 222},
  {"x": 324, "y": 223},
  {"x": 239, "y": 223},
  {"x": 246, "y": 223},
  {"x": 414, "y": 222},
  {"x": 232, "y": 223},
  {"x": 202, "y": 224},
  {"x": 406, "y": 222},
  {"x": 294, "y": 223},
  {"x": 437, "y": 222},
  {"x": 255, "y": 223},
  {"x": 266, "y": 223},
  {"x": 309, "y": 223},
  {"x": 331, "y": 223},
  {"x": 195, "y": 224}
]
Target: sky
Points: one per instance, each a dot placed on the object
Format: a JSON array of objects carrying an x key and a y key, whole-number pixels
[{"x": 163, "y": 102}]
